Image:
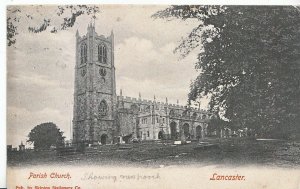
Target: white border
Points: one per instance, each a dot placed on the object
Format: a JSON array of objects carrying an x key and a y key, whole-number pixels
[
  {"x": 3, "y": 156},
  {"x": 21, "y": 2},
  {"x": 168, "y": 2}
]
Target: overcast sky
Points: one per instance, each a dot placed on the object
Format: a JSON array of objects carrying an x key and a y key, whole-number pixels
[{"x": 41, "y": 66}]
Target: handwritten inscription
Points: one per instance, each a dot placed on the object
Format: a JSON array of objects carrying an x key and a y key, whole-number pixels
[
  {"x": 236, "y": 177},
  {"x": 115, "y": 178}
]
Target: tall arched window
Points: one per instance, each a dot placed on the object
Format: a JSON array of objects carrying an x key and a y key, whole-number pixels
[
  {"x": 172, "y": 113},
  {"x": 195, "y": 115},
  {"x": 103, "y": 108},
  {"x": 102, "y": 53},
  {"x": 83, "y": 53}
]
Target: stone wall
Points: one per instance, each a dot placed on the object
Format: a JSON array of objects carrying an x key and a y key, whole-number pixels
[{"x": 127, "y": 122}]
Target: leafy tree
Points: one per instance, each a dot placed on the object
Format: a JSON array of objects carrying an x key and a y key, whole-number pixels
[
  {"x": 217, "y": 124},
  {"x": 249, "y": 63},
  {"x": 45, "y": 18},
  {"x": 44, "y": 135}
]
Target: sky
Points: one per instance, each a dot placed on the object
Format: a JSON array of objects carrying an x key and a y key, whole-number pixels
[{"x": 40, "y": 67}]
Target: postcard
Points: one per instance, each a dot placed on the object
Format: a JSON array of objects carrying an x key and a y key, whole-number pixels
[{"x": 153, "y": 96}]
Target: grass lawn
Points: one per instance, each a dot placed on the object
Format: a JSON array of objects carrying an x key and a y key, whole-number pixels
[{"x": 230, "y": 152}]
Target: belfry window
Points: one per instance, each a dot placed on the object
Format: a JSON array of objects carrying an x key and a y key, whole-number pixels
[
  {"x": 102, "y": 53},
  {"x": 83, "y": 53}
]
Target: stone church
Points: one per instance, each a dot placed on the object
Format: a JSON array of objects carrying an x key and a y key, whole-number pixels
[{"x": 101, "y": 116}]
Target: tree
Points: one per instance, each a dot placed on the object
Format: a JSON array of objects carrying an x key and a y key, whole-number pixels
[
  {"x": 45, "y": 135},
  {"x": 52, "y": 19},
  {"x": 249, "y": 63},
  {"x": 217, "y": 124}
]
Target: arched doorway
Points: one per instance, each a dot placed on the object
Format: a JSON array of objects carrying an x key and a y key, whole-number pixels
[
  {"x": 127, "y": 138},
  {"x": 186, "y": 130},
  {"x": 160, "y": 135},
  {"x": 211, "y": 130},
  {"x": 173, "y": 130},
  {"x": 103, "y": 139},
  {"x": 198, "y": 132}
]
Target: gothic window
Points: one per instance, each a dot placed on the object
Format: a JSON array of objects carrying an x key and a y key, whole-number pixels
[
  {"x": 172, "y": 113},
  {"x": 185, "y": 113},
  {"x": 102, "y": 53},
  {"x": 103, "y": 108},
  {"x": 194, "y": 115},
  {"x": 134, "y": 108},
  {"x": 147, "y": 109},
  {"x": 144, "y": 120},
  {"x": 83, "y": 53}
]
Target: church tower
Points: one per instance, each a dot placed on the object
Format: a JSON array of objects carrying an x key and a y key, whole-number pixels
[{"x": 94, "y": 88}]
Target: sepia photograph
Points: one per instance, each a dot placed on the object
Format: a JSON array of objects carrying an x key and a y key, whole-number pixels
[{"x": 153, "y": 96}]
